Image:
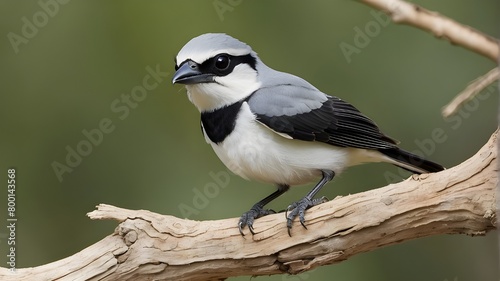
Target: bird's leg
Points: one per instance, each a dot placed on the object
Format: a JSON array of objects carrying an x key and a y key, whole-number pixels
[
  {"x": 258, "y": 210},
  {"x": 299, "y": 207}
]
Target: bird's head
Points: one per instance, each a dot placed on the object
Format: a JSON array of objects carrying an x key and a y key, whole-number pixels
[{"x": 217, "y": 70}]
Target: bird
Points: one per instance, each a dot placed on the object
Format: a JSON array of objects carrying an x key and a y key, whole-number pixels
[{"x": 274, "y": 127}]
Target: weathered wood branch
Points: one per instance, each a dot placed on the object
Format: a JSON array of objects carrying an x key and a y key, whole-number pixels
[
  {"x": 146, "y": 245},
  {"x": 471, "y": 91},
  {"x": 403, "y": 12}
]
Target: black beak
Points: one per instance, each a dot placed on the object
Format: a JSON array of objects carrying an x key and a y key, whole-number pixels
[{"x": 189, "y": 73}]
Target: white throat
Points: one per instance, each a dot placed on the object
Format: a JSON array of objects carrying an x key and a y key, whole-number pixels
[{"x": 226, "y": 90}]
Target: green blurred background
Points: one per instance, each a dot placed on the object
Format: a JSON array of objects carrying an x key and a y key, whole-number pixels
[{"x": 85, "y": 54}]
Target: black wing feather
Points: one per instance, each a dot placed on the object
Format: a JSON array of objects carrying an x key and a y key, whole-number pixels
[{"x": 336, "y": 122}]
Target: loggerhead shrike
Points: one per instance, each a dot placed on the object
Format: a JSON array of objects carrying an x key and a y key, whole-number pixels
[{"x": 275, "y": 127}]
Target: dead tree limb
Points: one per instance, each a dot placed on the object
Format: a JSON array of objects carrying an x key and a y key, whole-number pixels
[
  {"x": 471, "y": 91},
  {"x": 146, "y": 245},
  {"x": 442, "y": 27}
]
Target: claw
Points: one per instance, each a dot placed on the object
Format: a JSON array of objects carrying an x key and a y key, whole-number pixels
[
  {"x": 250, "y": 227},
  {"x": 298, "y": 209},
  {"x": 240, "y": 227},
  {"x": 248, "y": 218},
  {"x": 257, "y": 210},
  {"x": 303, "y": 222}
]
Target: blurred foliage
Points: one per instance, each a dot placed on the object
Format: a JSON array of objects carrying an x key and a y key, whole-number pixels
[{"x": 84, "y": 55}]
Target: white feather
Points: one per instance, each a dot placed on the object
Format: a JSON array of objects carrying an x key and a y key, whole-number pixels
[
  {"x": 227, "y": 89},
  {"x": 255, "y": 152}
]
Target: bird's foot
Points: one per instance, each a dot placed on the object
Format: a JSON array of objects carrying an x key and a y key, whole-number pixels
[
  {"x": 298, "y": 209},
  {"x": 248, "y": 218}
]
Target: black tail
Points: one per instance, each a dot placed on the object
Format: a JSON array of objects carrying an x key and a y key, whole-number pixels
[{"x": 410, "y": 161}]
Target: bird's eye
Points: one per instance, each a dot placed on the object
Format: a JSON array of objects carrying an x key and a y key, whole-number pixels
[{"x": 222, "y": 62}]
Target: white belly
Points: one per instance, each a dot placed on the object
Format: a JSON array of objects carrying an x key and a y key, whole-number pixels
[{"x": 255, "y": 152}]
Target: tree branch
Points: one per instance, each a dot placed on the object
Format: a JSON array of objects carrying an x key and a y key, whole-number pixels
[
  {"x": 146, "y": 245},
  {"x": 471, "y": 91},
  {"x": 439, "y": 25}
]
